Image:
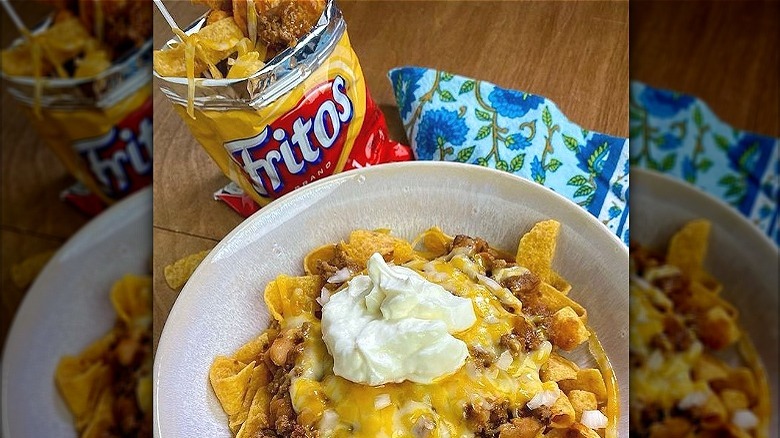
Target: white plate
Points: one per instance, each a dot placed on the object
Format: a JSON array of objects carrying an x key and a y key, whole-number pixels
[
  {"x": 740, "y": 255},
  {"x": 66, "y": 309},
  {"x": 221, "y": 306}
]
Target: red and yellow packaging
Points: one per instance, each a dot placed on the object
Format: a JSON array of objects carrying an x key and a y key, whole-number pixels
[
  {"x": 100, "y": 128},
  {"x": 109, "y": 150},
  {"x": 313, "y": 118}
]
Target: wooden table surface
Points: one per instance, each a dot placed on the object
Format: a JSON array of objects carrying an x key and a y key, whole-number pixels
[
  {"x": 33, "y": 218},
  {"x": 574, "y": 53},
  {"x": 723, "y": 52}
]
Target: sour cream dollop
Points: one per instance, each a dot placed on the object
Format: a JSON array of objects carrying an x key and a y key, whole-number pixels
[{"x": 394, "y": 325}]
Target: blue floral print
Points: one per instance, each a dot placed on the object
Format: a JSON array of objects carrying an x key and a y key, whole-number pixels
[
  {"x": 511, "y": 103},
  {"x": 516, "y": 142},
  {"x": 664, "y": 103},
  {"x": 669, "y": 142},
  {"x": 406, "y": 82},
  {"x": 679, "y": 135},
  {"x": 437, "y": 129},
  {"x": 538, "y": 173},
  {"x": 461, "y": 119}
]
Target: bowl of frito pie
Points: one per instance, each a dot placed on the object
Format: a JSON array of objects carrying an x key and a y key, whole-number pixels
[
  {"x": 83, "y": 77},
  {"x": 704, "y": 306},
  {"x": 274, "y": 93},
  {"x": 422, "y": 299}
]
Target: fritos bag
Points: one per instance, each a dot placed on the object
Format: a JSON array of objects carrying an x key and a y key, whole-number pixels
[
  {"x": 100, "y": 127},
  {"x": 305, "y": 115}
]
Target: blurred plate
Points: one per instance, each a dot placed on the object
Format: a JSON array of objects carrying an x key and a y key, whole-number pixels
[
  {"x": 740, "y": 256},
  {"x": 65, "y": 310},
  {"x": 221, "y": 306}
]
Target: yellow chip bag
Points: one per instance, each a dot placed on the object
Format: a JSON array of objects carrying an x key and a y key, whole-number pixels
[
  {"x": 274, "y": 123},
  {"x": 90, "y": 101}
]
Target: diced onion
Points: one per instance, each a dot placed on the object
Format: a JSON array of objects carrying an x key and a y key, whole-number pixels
[
  {"x": 422, "y": 427},
  {"x": 594, "y": 419},
  {"x": 340, "y": 276},
  {"x": 512, "y": 271},
  {"x": 662, "y": 271},
  {"x": 471, "y": 370},
  {"x": 492, "y": 319},
  {"x": 641, "y": 282},
  {"x": 461, "y": 250},
  {"x": 489, "y": 282},
  {"x": 382, "y": 401},
  {"x": 438, "y": 277},
  {"x": 324, "y": 297},
  {"x": 744, "y": 419},
  {"x": 543, "y": 398},
  {"x": 329, "y": 420},
  {"x": 542, "y": 353},
  {"x": 656, "y": 360},
  {"x": 692, "y": 400},
  {"x": 504, "y": 361}
]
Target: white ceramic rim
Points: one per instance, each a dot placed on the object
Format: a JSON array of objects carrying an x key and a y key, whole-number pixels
[{"x": 726, "y": 211}]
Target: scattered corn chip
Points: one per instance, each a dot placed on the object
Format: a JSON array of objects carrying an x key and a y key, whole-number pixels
[
  {"x": 537, "y": 249},
  {"x": 179, "y": 272},
  {"x": 688, "y": 247},
  {"x": 230, "y": 380},
  {"x": 22, "y": 274}
]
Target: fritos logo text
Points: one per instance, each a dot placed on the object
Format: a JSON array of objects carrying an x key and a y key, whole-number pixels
[
  {"x": 313, "y": 133},
  {"x": 121, "y": 159}
]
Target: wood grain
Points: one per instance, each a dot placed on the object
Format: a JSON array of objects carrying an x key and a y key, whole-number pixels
[
  {"x": 573, "y": 53},
  {"x": 176, "y": 246},
  {"x": 32, "y": 217},
  {"x": 15, "y": 248},
  {"x": 725, "y": 52},
  {"x": 32, "y": 176}
]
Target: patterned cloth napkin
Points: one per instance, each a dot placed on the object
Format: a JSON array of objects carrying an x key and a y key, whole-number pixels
[
  {"x": 679, "y": 135},
  {"x": 453, "y": 118}
]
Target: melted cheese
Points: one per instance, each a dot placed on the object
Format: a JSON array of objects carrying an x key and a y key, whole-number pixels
[
  {"x": 339, "y": 408},
  {"x": 664, "y": 378}
]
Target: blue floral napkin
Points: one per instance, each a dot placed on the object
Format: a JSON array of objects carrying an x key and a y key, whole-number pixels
[
  {"x": 679, "y": 135},
  {"x": 453, "y": 118}
]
